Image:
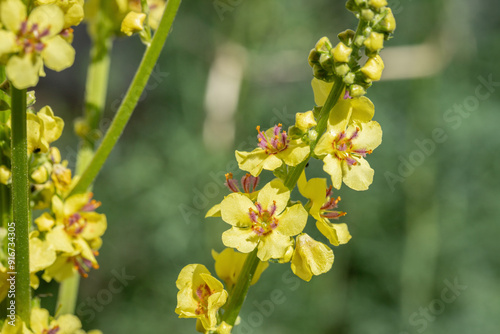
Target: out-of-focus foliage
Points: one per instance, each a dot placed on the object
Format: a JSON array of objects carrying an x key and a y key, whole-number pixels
[{"x": 436, "y": 226}]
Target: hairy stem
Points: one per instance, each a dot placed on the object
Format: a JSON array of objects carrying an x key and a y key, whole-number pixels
[
  {"x": 20, "y": 202},
  {"x": 131, "y": 98}
]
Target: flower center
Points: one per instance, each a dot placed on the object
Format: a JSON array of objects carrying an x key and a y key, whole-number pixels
[
  {"x": 343, "y": 148},
  {"x": 75, "y": 224},
  {"x": 203, "y": 292},
  {"x": 248, "y": 183},
  {"x": 326, "y": 210},
  {"x": 274, "y": 143},
  {"x": 30, "y": 38},
  {"x": 263, "y": 221},
  {"x": 83, "y": 265}
]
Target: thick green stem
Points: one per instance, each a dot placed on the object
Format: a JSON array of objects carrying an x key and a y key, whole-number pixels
[
  {"x": 68, "y": 295},
  {"x": 239, "y": 292},
  {"x": 20, "y": 202},
  {"x": 131, "y": 98}
]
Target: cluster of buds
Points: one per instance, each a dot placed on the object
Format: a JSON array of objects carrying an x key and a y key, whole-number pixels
[{"x": 376, "y": 24}]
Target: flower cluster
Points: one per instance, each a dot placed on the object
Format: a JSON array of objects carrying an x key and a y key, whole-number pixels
[{"x": 266, "y": 225}]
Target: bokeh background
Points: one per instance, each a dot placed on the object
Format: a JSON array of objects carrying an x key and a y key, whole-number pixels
[{"x": 424, "y": 257}]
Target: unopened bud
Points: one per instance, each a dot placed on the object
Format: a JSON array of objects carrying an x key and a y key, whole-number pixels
[
  {"x": 356, "y": 91},
  {"x": 342, "y": 69},
  {"x": 367, "y": 14},
  {"x": 5, "y": 175},
  {"x": 377, "y": 4},
  {"x": 326, "y": 61},
  {"x": 360, "y": 2},
  {"x": 133, "y": 22},
  {"x": 388, "y": 24},
  {"x": 40, "y": 175},
  {"x": 304, "y": 121},
  {"x": 313, "y": 57},
  {"x": 81, "y": 127},
  {"x": 374, "y": 42},
  {"x": 349, "y": 78},
  {"x": 346, "y": 36},
  {"x": 373, "y": 68},
  {"x": 341, "y": 53},
  {"x": 323, "y": 44},
  {"x": 30, "y": 98},
  {"x": 312, "y": 134}
]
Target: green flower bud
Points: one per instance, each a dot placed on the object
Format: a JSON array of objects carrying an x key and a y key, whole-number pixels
[
  {"x": 374, "y": 42},
  {"x": 341, "y": 53},
  {"x": 313, "y": 57},
  {"x": 360, "y": 3},
  {"x": 81, "y": 127},
  {"x": 367, "y": 14},
  {"x": 346, "y": 36},
  {"x": 30, "y": 98},
  {"x": 326, "y": 62},
  {"x": 312, "y": 134},
  {"x": 349, "y": 78},
  {"x": 388, "y": 24},
  {"x": 351, "y": 5},
  {"x": 342, "y": 69},
  {"x": 319, "y": 72},
  {"x": 377, "y": 4},
  {"x": 373, "y": 68},
  {"x": 356, "y": 91},
  {"x": 359, "y": 40}
]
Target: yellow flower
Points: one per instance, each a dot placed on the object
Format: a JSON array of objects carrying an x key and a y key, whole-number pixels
[
  {"x": 133, "y": 22},
  {"x": 73, "y": 10},
  {"x": 311, "y": 257},
  {"x": 42, "y": 256},
  {"x": 32, "y": 41},
  {"x": 18, "y": 328},
  {"x": 266, "y": 223},
  {"x": 228, "y": 266},
  {"x": 43, "y": 129},
  {"x": 156, "y": 8},
  {"x": 275, "y": 147},
  {"x": 350, "y": 136},
  {"x": 43, "y": 323},
  {"x": 322, "y": 206},
  {"x": 200, "y": 295}
]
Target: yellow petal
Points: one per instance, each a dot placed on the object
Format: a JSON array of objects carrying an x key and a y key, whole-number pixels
[
  {"x": 315, "y": 191},
  {"x": 23, "y": 71},
  {"x": 274, "y": 192},
  {"x": 359, "y": 176},
  {"x": 133, "y": 22},
  {"x": 295, "y": 153},
  {"x": 60, "y": 240},
  {"x": 68, "y": 323},
  {"x": 337, "y": 234},
  {"x": 305, "y": 121},
  {"x": 244, "y": 240},
  {"x": 324, "y": 145},
  {"x": 253, "y": 162},
  {"x": 273, "y": 246},
  {"x": 321, "y": 91},
  {"x": 187, "y": 273},
  {"x": 333, "y": 166},
  {"x": 42, "y": 255},
  {"x": 8, "y": 44},
  {"x": 47, "y": 16},
  {"x": 52, "y": 125},
  {"x": 311, "y": 257},
  {"x": 235, "y": 210},
  {"x": 39, "y": 319},
  {"x": 45, "y": 222},
  {"x": 73, "y": 16},
  {"x": 292, "y": 221},
  {"x": 58, "y": 54},
  {"x": 369, "y": 138},
  {"x": 96, "y": 225},
  {"x": 12, "y": 14},
  {"x": 75, "y": 203},
  {"x": 214, "y": 211}
]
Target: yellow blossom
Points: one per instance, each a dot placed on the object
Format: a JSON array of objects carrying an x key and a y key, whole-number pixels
[
  {"x": 43, "y": 129},
  {"x": 373, "y": 68},
  {"x": 31, "y": 41},
  {"x": 42, "y": 255},
  {"x": 267, "y": 223},
  {"x": 5, "y": 175},
  {"x": 229, "y": 263},
  {"x": 73, "y": 10},
  {"x": 133, "y": 22},
  {"x": 311, "y": 257},
  {"x": 321, "y": 207},
  {"x": 275, "y": 147},
  {"x": 42, "y": 323},
  {"x": 200, "y": 295},
  {"x": 350, "y": 136}
]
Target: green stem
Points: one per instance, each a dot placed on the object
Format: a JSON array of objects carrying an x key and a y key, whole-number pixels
[
  {"x": 131, "y": 98},
  {"x": 333, "y": 97},
  {"x": 68, "y": 295},
  {"x": 20, "y": 202},
  {"x": 239, "y": 292}
]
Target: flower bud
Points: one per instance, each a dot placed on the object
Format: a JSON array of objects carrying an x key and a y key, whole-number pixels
[
  {"x": 30, "y": 98},
  {"x": 323, "y": 44},
  {"x": 349, "y": 78},
  {"x": 374, "y": 42},
  {"x": 388, "y": 24},
  {"x": 341, "y": 53},
  {"x": 346, "y": 36},
  {"x": 326, "y": 62},
  {"x": 133, "y": 22},
  {"x": 313, "y": 57},
  {"x": 356, "y": 91},
  {"x": 40, "y": 175},
  {"x": 351, "y": 5},
  {"x": 360, "y": 2},
  {"x": 81, "y": 127},
  {"x": 304, "y": 121},
  {"x": 312, "y": 134},
  {"x": 373, "y": 68},
  {"x": 377, "y": 4},
  {"x": 367, "y": 14},
  {"x": 342, "y": 69}
]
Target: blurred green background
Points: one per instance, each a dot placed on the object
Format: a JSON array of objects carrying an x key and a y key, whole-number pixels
[{"x": 424, "y": 257}]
